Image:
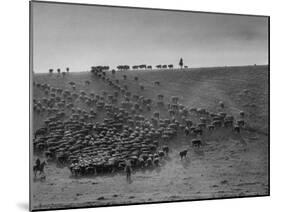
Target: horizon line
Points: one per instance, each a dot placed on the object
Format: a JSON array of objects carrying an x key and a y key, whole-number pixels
[{"x": 163, "y": 69}]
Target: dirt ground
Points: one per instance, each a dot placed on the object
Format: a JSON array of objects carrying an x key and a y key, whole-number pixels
[
  {"x": 228, "y": 165},
  {"x": 223, "y": 168}
]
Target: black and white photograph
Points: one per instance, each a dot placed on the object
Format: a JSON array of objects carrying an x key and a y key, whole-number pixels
[{"x": 136, "y": 105}]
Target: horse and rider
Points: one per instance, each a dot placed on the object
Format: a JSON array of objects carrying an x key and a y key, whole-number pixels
[{"x": 39, "y": 167}]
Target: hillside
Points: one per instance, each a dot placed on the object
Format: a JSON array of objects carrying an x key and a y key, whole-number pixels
[
  {"x": 240, "y": 88},
  {"x": 228, "y": 165}
]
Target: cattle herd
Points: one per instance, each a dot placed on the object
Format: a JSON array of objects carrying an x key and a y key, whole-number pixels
[{"x": 95, "y": 133}]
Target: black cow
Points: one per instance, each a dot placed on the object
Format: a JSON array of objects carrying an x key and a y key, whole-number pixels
[
  {"x": 183, "y": 154},
  {"x": 196, "y": 143},
  {"x": 236, "y": 129}
]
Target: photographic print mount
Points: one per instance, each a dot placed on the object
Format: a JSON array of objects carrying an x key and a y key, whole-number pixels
[{"x": 138, "y": 105}]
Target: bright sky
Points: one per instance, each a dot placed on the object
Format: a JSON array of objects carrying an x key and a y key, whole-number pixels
[{"x": 79, "y": 37}]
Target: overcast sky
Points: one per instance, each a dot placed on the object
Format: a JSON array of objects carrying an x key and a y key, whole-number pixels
[{"x": 79, "y": 37}]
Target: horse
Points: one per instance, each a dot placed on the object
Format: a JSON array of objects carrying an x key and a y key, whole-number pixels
[{"x": 39, "y": 167}]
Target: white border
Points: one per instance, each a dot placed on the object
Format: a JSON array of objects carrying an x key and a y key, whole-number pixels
[{"x": 14, "y": 105}]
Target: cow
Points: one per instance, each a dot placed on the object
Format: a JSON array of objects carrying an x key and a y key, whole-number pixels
[
  {"x": 165, "y": 150},
  {"x": 183, "y": 154},
  {"x": 196, "y": 143}
]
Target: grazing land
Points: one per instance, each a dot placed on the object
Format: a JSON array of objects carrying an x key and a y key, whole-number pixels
[{"x": 228, "y": 164}]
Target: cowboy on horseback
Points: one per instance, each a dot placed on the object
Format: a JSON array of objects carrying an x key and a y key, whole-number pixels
[{"x": 39, "y": 167}]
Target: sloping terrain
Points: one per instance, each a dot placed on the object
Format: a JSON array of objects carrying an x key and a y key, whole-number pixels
[{"x": 228, "y": 165}]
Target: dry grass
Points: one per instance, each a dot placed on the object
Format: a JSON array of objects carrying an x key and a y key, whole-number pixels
[{"x": 227, "y": 166}]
